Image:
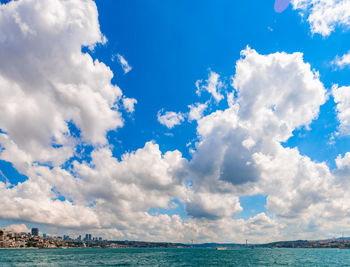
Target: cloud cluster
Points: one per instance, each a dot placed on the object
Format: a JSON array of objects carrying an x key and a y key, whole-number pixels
[
  {"x": 48, "y": 85},
  {"x": 170, "y": 119},
  {"x": 129, "y": 104},
  {"x": 213, "y": 85},
  {"x": 342, "y": 61},
  {"x": 276, "y": 94},
  {"x": 324, "y": 15}
]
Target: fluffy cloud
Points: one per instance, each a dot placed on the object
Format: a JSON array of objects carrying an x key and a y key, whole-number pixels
[
  {"x": 324, "y": 15},
  {"x": 212, "y": 206},
  {"x": 212, "y": 85},
  {"x": 122, "y": 191},
  {"x": 48, "y": 82},
  {"x": 129, "y": 104},
  {"x": 343, "y": 163},
  {"x": 270, "y": 89},
  {"x": 34, "y": 201},
  {"x": 297, "y": 187},
  {"x": 342, "y": 98},
  {"x": 342, "y": 61},
  {"x": 105, "y": 193},
  {"x": 170, "y": 118},
  {"x": 145, "y": 178}
]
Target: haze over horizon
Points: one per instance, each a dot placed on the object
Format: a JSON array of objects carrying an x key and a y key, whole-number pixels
[{"x": 212, "y": 121}]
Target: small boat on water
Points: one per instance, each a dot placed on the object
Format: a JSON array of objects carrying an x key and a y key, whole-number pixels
[{"x": 221, "y": 248}]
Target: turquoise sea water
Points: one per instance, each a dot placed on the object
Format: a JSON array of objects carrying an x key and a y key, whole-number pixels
[{"x": 174, "y": 257}]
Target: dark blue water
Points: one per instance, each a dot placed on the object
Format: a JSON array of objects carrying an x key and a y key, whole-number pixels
[{"x": 175, "y": 257}]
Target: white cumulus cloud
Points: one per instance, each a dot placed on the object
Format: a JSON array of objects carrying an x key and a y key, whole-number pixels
[
  {"x": 342, "y": 61},
  {"x": 324, "y": 15},
  {"x": 170, "y": 119},
  {"x": 129, "y": 104},
  {"x": 212, "y": 85}
]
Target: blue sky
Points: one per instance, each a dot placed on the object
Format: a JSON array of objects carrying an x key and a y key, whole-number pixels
[
  {"x": 172, "y": 44},
  {"x": 85, "y": 148}
]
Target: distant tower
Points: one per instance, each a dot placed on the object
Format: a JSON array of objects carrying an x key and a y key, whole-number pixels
[{"x": 35, "y": 231}]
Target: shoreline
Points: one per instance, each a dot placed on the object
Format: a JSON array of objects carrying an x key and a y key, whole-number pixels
[{"x": 210, "y": 248}]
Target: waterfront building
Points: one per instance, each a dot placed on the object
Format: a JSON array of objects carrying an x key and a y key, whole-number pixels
[{"x": 35, "y": 231}]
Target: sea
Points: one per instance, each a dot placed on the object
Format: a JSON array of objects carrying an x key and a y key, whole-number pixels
[{"x": 174, "y": 257}]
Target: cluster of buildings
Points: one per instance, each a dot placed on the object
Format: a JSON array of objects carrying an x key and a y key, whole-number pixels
[
  {"x": 10, "y": 239},
  {"x": 28, "y": 240}
]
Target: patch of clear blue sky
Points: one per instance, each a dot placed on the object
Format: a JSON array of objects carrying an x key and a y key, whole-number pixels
[
  {"x": 9, "y": 174},
  {"x": 252, "y": 205},
  {"x": 171, "y": 44}
]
